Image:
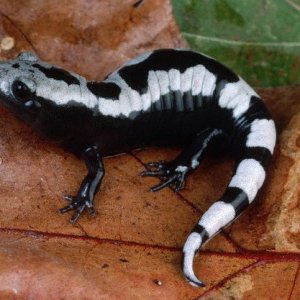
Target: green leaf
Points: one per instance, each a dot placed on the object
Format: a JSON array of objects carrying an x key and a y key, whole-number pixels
[{"x": 258, "y": 39}]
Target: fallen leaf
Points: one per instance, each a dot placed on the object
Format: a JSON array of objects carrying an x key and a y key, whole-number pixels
[{"x": 136, "y": 238}]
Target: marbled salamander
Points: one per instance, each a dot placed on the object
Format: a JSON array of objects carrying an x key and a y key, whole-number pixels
[{"x": 162, "y": 97}]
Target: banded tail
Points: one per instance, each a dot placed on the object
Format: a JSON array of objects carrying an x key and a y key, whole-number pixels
[{"x": 258, "y": 146}]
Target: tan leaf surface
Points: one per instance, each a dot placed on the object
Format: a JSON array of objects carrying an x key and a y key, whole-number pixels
[{"x": 132, "y": 248}]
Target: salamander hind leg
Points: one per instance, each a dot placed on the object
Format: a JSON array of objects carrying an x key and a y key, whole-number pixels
[{"x": 173, "y": 173}]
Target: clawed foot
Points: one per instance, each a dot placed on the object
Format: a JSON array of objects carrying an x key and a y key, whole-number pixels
[
  {"x": 77, "y": 203},
  {"x": 171, "y": 175}
]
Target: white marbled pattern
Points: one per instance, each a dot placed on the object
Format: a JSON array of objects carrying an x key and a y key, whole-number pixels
[
  {"x": 197, "y": 80},
  {"x": 186, "y": 80},
  {"x": 262, "y": 134},
  {"x": 174, "y": 77},
  {"x": 217, "y": 216},
  {"x": 163, "y": 81},
  {"x": 195, "y": 158},
  {"x": 192, "y": 244},
  {"x": 249, "y": 176},
  {"x": 236, "y": 96},
  {"x": 209, "y": 83}
]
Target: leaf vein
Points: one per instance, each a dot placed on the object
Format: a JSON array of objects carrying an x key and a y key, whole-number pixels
[{"x": 240, "y": 43}]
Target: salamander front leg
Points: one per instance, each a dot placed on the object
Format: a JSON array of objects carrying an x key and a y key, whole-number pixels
[
  {"x": 89, "y": 186},
  {"x": 173, "y": 173}
]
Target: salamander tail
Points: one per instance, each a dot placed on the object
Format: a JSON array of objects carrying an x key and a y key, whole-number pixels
[
  {"x": 247, "y": 180},
  {"x": 191, "y": 247}
]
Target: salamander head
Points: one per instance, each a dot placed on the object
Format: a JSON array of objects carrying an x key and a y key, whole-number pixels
[
  {"x": 18, "y": 86},
  {"x": 29, "y": 87}
]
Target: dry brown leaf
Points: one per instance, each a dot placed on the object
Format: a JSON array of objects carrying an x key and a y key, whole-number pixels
[{"x": 132, "y": 248}]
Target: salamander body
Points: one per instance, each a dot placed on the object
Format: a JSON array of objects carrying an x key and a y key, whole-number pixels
[{"x": 168, "y": 96}]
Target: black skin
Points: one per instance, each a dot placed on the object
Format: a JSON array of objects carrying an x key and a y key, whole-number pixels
[
  {"x": 89, "y": 186},
  {"x": 90, "y": 137},
  {"x": 77, "y": 130},
  {"x": 190, "y": 120},
  {"x": 165, "y": 171}
]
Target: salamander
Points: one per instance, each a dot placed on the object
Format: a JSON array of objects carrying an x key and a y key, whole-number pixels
[{"x": 163, "y": 97}]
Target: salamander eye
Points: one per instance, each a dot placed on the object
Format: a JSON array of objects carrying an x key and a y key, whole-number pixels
[{"x": 20, "y": 90}]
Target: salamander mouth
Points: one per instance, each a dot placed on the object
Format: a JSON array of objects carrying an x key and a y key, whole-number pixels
[
  {"x": 8, "y": 101},
  {"x": 19, "y": 109}
]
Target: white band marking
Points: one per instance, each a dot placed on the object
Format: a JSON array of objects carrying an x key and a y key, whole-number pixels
[{"x": 249, "y": 176}]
